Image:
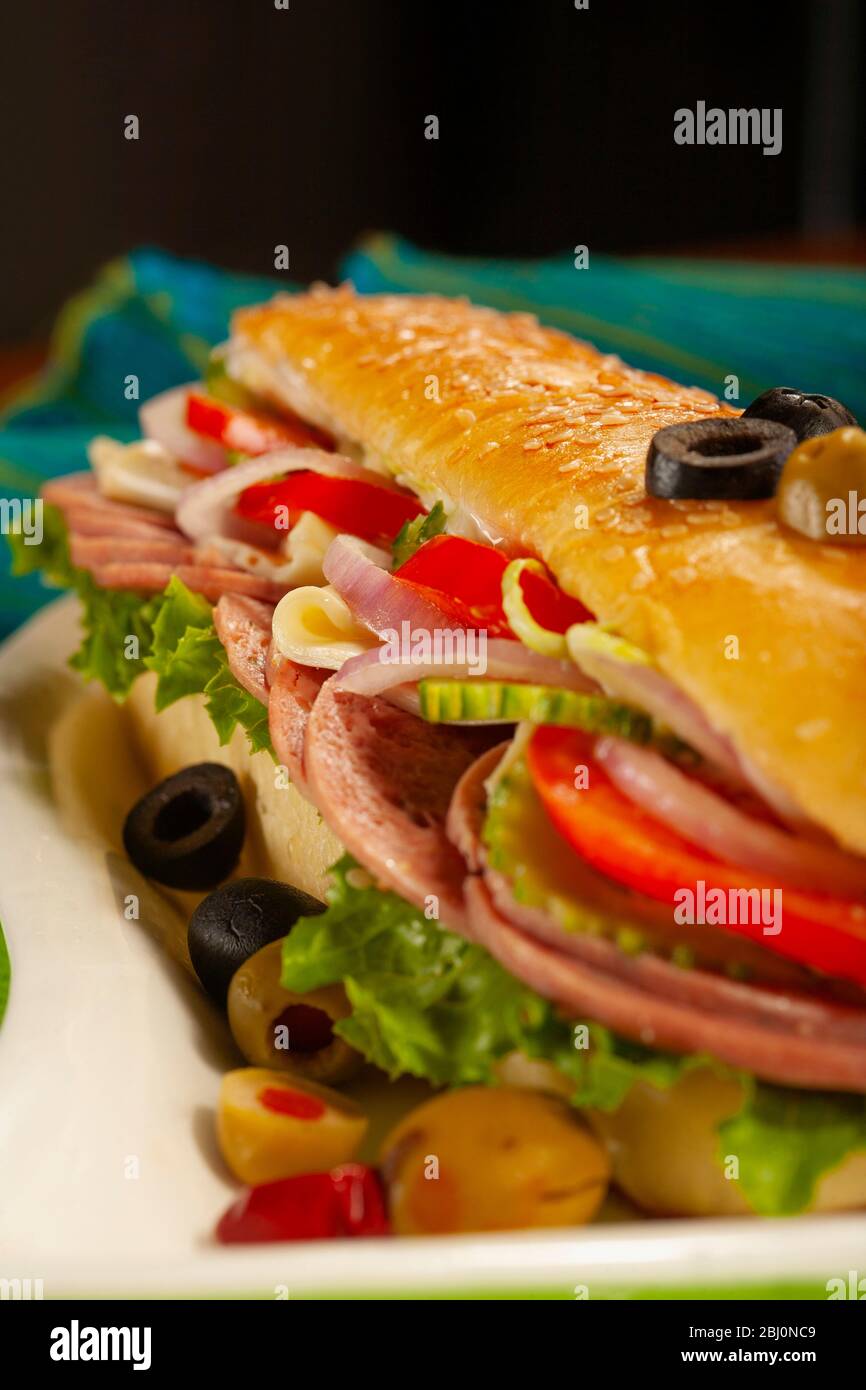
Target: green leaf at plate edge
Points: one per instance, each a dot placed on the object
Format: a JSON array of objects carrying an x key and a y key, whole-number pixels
[{"x": 5, "y": 974}]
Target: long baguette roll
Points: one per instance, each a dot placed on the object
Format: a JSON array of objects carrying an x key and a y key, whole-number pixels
[{"x": 540, "y": 442}]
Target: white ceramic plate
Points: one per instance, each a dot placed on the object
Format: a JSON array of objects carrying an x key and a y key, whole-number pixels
[{"x": 110, "y": 1059}]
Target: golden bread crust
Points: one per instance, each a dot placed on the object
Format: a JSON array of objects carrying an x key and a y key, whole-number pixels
[{"x": 542, "y": 440}]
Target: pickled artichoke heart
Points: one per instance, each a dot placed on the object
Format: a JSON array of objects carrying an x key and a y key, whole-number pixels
[{"x": 496, "y": 702}]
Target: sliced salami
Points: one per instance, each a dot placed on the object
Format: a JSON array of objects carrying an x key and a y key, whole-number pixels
[
  {"x": 292, "y": 694},
  {"x": 804, "y": 1055},
  {"x": 383, "y": 780},
  {"x": 243, "y": 625}
]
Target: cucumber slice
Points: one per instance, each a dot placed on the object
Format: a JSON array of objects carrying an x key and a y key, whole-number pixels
[
  {"x": 501, "y": 702},
  {"x": 221, "y": 386}
]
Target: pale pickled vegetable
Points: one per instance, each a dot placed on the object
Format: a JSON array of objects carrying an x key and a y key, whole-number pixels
[
  {"x": 143, "y": 473},
  {"x": 668, "y": 1157},
  {"x": 492, "y": 1158},
  {"x": 293, "y": 1032},
  {"x": 271, "y": 1126}
]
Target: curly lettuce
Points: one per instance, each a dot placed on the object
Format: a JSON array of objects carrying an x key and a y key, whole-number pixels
[{"x": 125, "y": 634}]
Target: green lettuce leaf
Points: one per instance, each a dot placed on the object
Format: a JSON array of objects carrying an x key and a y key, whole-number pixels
[
  {"x": 50, "y": 557},
  {"x": 125, "y": 634},
  {"x": 189, "y": 658},
  {"x": 413, "y": 534},
  {"x": 429, "y": 1003},
  {"x": 785, "y": 1140},
  {"x": 117, "y": 630}
]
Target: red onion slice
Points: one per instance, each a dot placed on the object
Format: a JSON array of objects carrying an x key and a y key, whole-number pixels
[
  {"x": 372, "y": 673},
  {"x": 207, "y": 508},
  {"x": 378, "y": 600},
  {"x": 387, "y": 605},
  {"x": 707, "y": 820},
  {"x": 163, "y": 418},
  {"x": 645, "y": 686}
]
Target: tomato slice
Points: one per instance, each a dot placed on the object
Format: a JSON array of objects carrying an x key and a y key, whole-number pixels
[
  {"x": 248, "y": 432},
  {"x": 352, "y": 505},
  {"x": 629, "y": 846},
  {"x": 465, "y": 578}
]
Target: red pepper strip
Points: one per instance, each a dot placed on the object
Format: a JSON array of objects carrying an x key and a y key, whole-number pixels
[
  {"x": 465, "y": 578},
  {"x": 360, "y": 508},
  {"x": 622, "y": 841},
  {"x": 246, "y": 432},
  {"x": 348, "y": 1201},
  {"x": 284, "y": 1101}
]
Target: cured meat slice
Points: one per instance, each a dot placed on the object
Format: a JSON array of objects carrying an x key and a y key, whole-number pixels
[
  {"x": 383, "y": 780},
  {"x": 89, "y": 551},
  {"x": 293, "y": 692},
  {"x": 86, "y": 521},
  {"x": 243, "y": 625},
  {"x": 152, "y": 577},
  {"x": 79, "y": 492},
  {"x": 803, "y": 1056}
]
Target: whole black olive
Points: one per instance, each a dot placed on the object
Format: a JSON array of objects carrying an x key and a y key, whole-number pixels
[
  {"x": 735, "y": 460},
  {"x": 806, "y": 413},
  {"x": 238, "y": 919},
  {"x": 188, "y": 831}
]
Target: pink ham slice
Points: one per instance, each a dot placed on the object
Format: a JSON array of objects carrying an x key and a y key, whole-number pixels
[
  {"x": 805, "y": 1054},
  {"x": 87, "y": 552},
  {"x": 83, "y": 521},
  {"x": 293, "y": 692},
  {"x": 383, "y": 780},
  {"x": 243, "y": 625},
  {"x": 77, "y": 492},
  {"x": 209, "y": 580}
]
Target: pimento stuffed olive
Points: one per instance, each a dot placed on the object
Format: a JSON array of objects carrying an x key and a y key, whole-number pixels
[
  {"x": 293, "y": 1032},
  {"x": 271, "y": 1126}
]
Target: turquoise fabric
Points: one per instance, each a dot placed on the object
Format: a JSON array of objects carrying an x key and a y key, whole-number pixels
[
  {"x": 156, "y": 316},
  {"x": 696, "y": 321},
  {"x": 149, "y": 314}
]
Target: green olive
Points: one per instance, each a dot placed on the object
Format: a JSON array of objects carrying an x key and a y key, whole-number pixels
[
  {"x": 822, "y": 491},
  {"x": 492, "y": 1159},
  {"x": 293, "y": 1032}
]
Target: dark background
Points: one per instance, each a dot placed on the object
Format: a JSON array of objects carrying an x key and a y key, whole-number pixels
[{"x": 306, "y": 127}]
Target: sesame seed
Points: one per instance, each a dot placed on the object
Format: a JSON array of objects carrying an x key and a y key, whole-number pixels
[{"x": 812, "y": 729}]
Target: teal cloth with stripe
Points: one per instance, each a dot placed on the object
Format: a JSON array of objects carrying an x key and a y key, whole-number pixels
[{"x": 154, "y": 316}]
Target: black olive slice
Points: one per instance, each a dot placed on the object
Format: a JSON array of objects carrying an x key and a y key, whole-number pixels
[
  {"x": 735, "y": 460},
  {"x": 807, "y": 413},
  {"x": 238, "y": 919},
  {"x": 188, "y": 831}
]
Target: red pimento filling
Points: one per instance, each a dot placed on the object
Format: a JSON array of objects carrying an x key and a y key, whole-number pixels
[{"x": 295, "y": 1103}]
